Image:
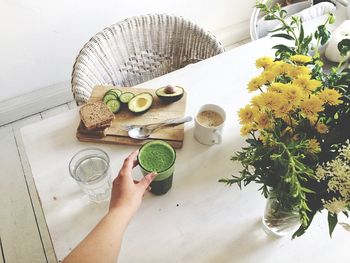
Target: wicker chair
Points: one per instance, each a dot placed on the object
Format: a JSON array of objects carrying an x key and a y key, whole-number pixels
[{"x": 139, "y": 49}]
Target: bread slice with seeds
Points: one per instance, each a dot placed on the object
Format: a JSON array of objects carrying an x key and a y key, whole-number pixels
[{"x": 96, "y": 115}]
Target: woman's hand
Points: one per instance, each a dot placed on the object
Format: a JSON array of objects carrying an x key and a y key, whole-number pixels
[{"x": 126, "y": 193}]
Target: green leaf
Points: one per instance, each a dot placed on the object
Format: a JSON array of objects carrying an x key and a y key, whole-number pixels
[
  {"x": 307, "y": 40},
  {"x": 317, "y": 35},
  {"x": 301, "y": 35},
  {"x": 306, "y": 190},
  {"x": 300, "y": 231},
  {"x": 253, "y": 142},
  {"x": 332, "y": 222},
  {"x": 323, "y": 34},
  {"x": 278, "y": 29},
  {"x": 269, "y": 17},
  {"x": 283, "y": 13},
  {"x": 303, "y": 228},
  {"x": 283, "y": 48},
  {"x": 259, "y": 5},
  {"x": 286, "y": 36},
  {"x": 344, "y": 47},
  {"x": 304, "y": 45}
]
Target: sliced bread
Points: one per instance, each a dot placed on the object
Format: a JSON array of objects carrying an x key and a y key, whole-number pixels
[
  {"x": 95, "y": 133},
  {"x": 96, "y": 115}
]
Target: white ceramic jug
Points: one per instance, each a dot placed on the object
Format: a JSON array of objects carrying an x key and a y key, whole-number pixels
[{"x": 342, "y": 32}]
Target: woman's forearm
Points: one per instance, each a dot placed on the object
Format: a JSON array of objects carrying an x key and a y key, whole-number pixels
[{"x": 104, "y": 241}]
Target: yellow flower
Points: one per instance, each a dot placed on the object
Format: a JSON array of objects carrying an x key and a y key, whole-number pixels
[
  {"x": 314, "y": 84},
  {"x": 282, "y": 108},
  {"x": 263, "y": 121},
  {"x": 307, "y": 84},
  {"x": 277, "y": 87},
  {"x": 257, "y": 101},
  {"x": 280, "y": 68},
  {"x": 310, "y": 107},
  {"x": 314, "y": 146},
  {"x": 256, "y": 83},
  {"x": 263, "y": 62},
  {"x": 301, "y": 59},
  {"x": 330, "y": 96},
  {"x": 293, "y": 94},
  {"x": 246, "y": 129},
  {"x": 271, "y": 99},
  {"x": 321, "y": 128},
  {"x": 297, "y": 71},
  {"x": 268, "y": 76},
  {"x": 247, "y": 114}
]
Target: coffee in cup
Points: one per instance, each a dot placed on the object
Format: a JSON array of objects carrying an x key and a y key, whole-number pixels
[
  {"x": 209, "y": 123},
  {"x": 210, "y": 118}
]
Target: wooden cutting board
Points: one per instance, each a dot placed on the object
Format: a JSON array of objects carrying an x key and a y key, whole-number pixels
[{"x": 158, "y": 112}]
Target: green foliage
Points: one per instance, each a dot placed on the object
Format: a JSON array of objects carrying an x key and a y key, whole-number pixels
[
  {"x": 332, "y": 222},
  {"x": 284, "y": 167},
  {"x": 293, "y": 30},
  {"x": 344, "y": 47},
  {"x": 280, "y": 167},
  {"x": 301, "y": 230}
]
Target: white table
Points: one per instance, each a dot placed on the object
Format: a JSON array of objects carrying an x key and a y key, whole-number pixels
[{"x": 199, "y": 219}]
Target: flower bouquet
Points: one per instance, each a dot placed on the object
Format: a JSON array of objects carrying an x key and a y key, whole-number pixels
[{"x": 298, "y": 125}]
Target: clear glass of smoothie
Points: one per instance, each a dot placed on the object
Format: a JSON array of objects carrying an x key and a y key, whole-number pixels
[{"x": 158, "y": 156}]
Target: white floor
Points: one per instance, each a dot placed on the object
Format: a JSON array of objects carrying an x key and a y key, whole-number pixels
[{"x": 23, "y": 232}]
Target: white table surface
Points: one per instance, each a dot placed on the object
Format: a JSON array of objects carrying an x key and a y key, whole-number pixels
[{"x": 199, "y": 219}]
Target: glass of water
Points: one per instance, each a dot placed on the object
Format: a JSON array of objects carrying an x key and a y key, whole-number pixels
[{"x": 90, "y": 169}]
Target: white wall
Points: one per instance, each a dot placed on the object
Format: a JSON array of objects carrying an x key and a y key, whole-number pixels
[{"x": 39, "y": 39}]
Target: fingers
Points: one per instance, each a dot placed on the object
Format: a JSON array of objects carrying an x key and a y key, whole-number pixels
[
  {"x": 130, "y": 162},
  {"x": 146, "y": 181},
  {"x": 136, "y": 162},
  {"x": 136, "y": 182}
]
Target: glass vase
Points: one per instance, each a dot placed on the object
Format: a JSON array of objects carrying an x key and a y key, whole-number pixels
[{"x": 278, "y": 221}]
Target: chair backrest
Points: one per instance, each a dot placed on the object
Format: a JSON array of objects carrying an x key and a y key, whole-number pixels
[{"x": 139, "y": 49}]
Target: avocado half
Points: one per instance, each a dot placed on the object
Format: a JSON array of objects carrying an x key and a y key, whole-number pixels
[
  {"x": 141, "y": 102},
  {"x": 170, "y": 93}
]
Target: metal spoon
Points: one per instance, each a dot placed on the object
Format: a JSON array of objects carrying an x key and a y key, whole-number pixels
[{"x": 144, "y": 132}]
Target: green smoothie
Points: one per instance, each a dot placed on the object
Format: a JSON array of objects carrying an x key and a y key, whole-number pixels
[{"x": 158, "y": 156}]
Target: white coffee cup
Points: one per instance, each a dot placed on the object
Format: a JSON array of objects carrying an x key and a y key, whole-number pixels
[{"x": 208, "y": 125}]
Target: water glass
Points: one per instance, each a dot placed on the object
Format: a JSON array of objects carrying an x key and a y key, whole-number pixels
[{"x": 90, "y": 169}]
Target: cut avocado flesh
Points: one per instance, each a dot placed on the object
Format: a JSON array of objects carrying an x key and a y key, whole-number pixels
[
  {"x": 141, "y": 102},
  {"x": 170, "y": 93}
]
